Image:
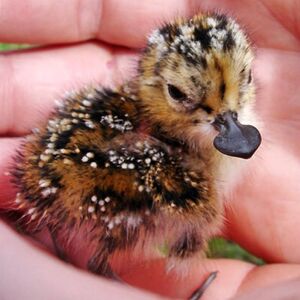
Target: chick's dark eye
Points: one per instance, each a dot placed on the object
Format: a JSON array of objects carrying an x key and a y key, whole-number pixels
[
  {"x": 176, "y": 93},
  {"x": 250, "y": 77}
]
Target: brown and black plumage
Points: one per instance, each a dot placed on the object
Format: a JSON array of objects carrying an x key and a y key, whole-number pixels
[{"x": 142, "y": 165}]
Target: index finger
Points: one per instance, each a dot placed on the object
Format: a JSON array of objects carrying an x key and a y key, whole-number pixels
[
  {"x": 127, "y": 22},
  {"x": 117, "y": 21}
]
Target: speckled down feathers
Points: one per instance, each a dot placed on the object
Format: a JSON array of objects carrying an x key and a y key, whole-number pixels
[{"x": 135, "y": 167}]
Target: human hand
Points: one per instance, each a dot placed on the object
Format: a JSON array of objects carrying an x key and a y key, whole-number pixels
[{"x": 263, "y": 213}]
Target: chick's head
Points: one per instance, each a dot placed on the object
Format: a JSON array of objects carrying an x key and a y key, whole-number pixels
[{"x": 196, "y": 84}]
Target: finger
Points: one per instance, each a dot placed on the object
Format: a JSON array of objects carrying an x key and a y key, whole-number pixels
[
  {"x": 57, "y": 280},
  {"x": 182, "y": 282},
  {"x": 263, "y": 212},
  {"x": 269, "y": 275},
  {"x": 127, "y": 23},
  {"x": 284, "y": 290},
  {"x": 233, "y": 278},
  {"x": 263, "y": 215},
  {"x": 8, "y": 148},
  {"x": 31, "y": 80},
  {"x": 121, "y": 22},
  {"x": 281, "y": 122},
  {"x": 286, "y": 12},
  {"x": 44, "y": 277}
]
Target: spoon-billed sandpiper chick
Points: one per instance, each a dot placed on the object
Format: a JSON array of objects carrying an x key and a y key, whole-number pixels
[{"x": 140, "y": 166}]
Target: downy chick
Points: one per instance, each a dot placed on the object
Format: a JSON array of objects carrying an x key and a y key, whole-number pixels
[{"x": 140, "y": 165}]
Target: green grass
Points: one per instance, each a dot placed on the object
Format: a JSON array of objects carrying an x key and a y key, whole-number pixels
[
  {"x": 7, "y": 47},
  {"x": 218, "y": 248},
  {"x": 221, "y": 248}
]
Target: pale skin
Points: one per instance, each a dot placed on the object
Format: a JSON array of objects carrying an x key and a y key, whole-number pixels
[{"x": 262, "y": 213}]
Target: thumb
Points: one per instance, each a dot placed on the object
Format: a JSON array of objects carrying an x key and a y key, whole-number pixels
[{"x": 234, "y": 278}]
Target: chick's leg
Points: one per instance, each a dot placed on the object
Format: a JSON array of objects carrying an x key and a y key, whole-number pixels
[
  {"x": 99, "y": 262},
  {"x": 186, "y": 246},
  {"x": 59, "y": 251}
]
